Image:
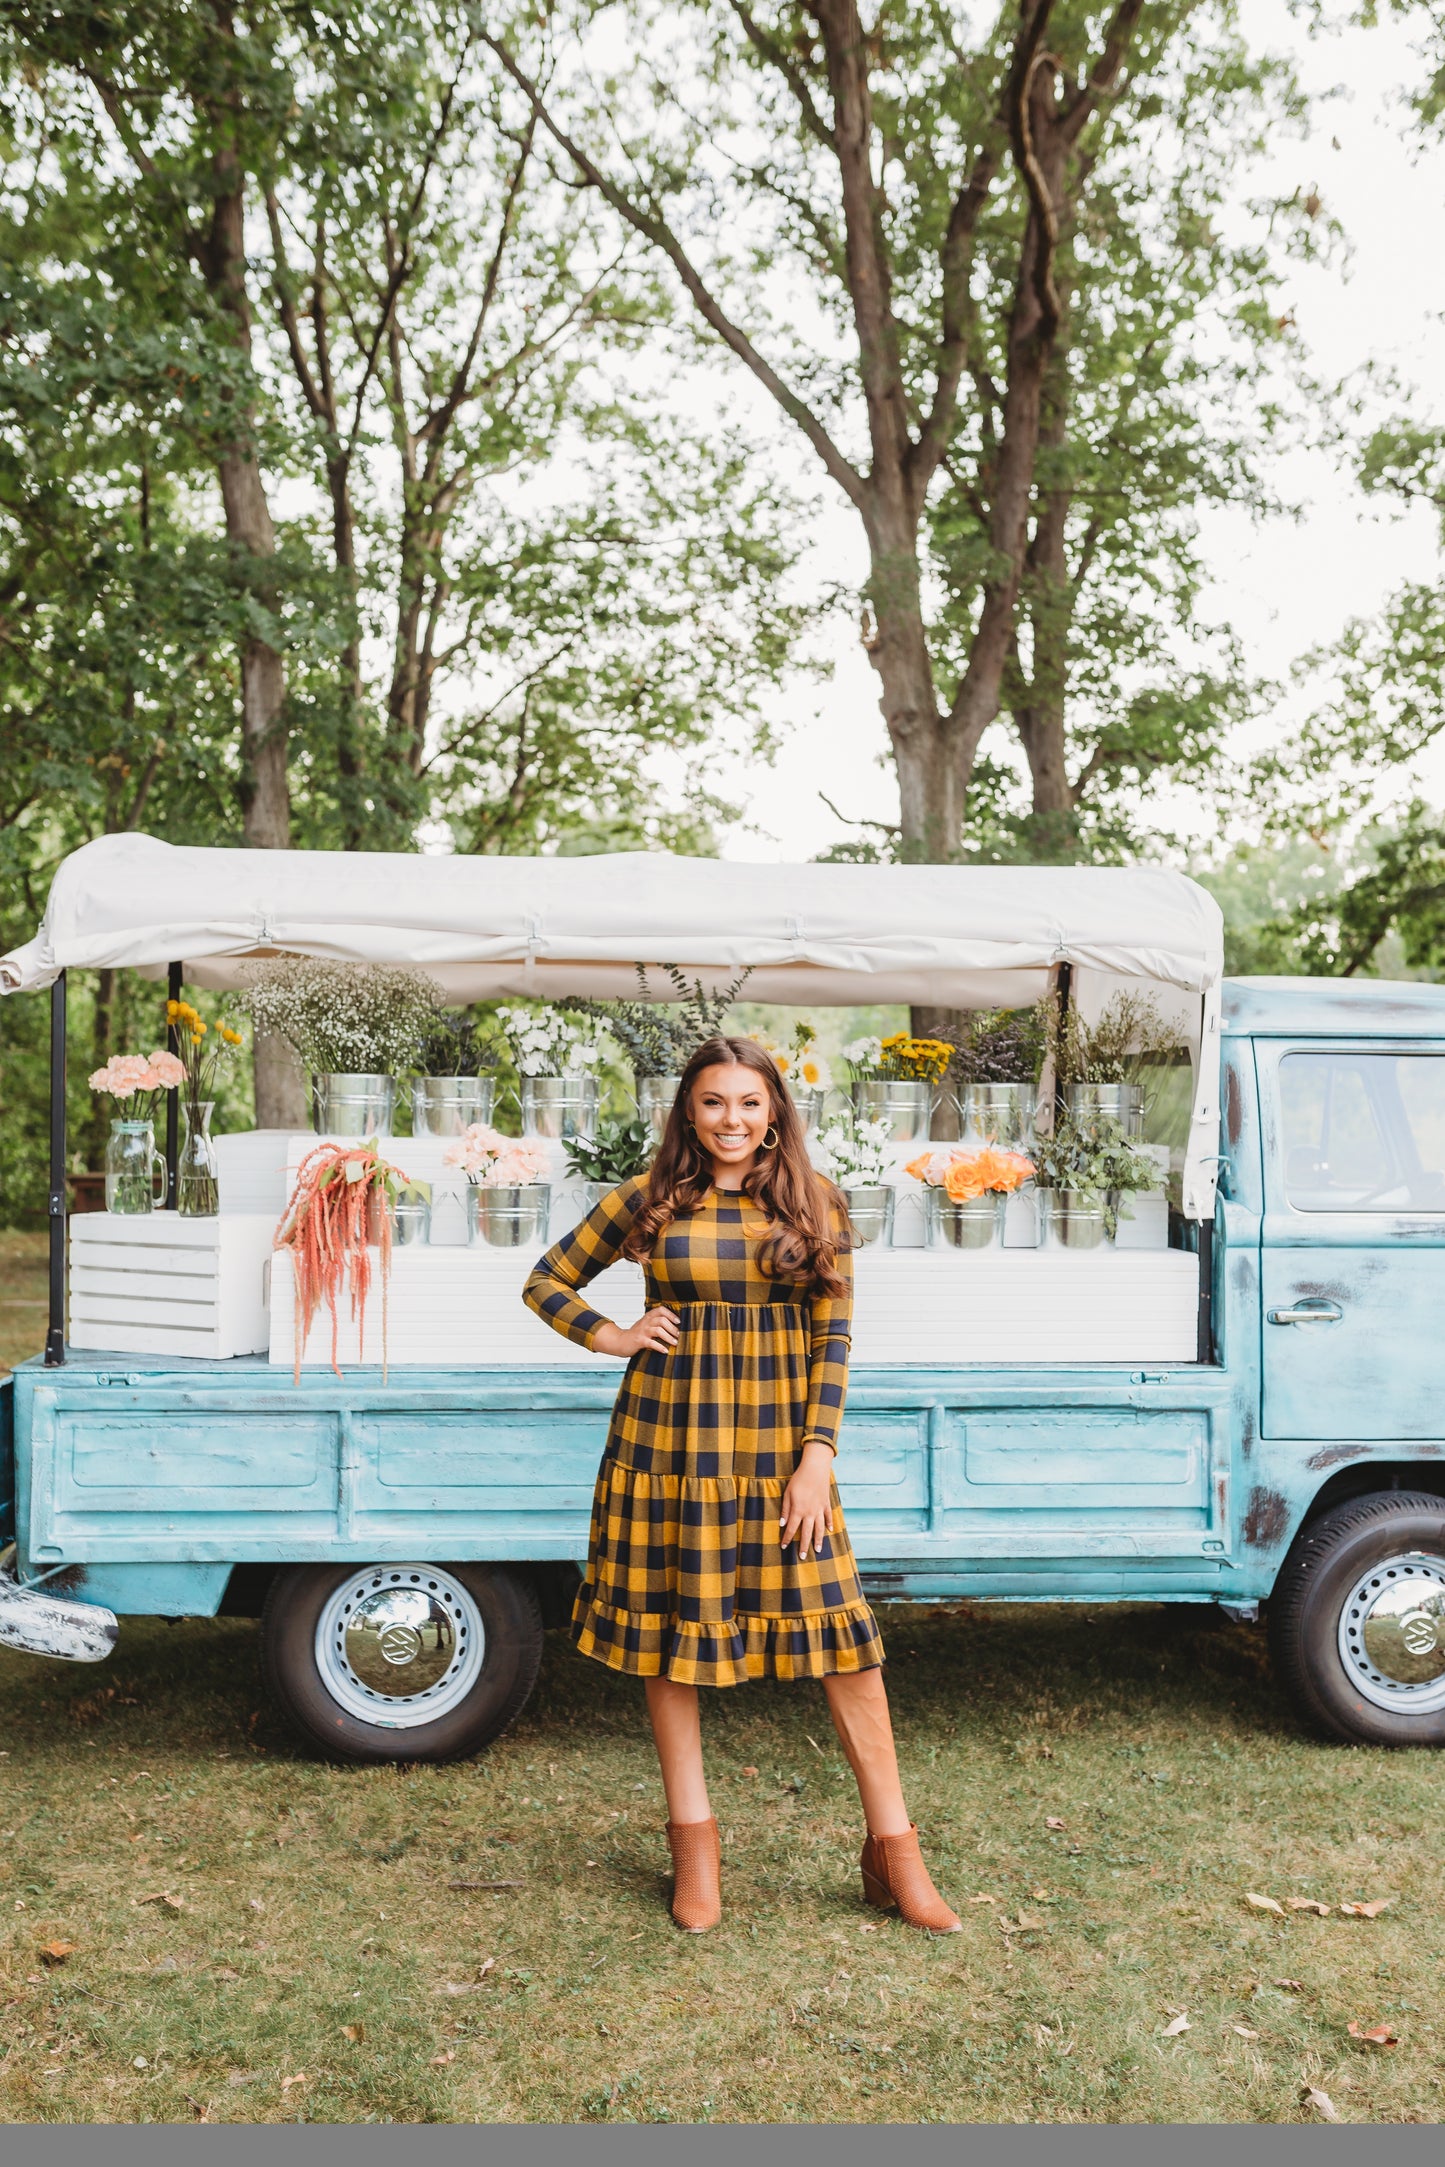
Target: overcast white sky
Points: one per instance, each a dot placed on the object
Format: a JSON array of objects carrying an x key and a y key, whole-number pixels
[{"x": 1284, "y": 586}]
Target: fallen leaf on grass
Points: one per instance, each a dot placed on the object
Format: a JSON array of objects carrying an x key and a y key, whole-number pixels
[
  {"x": 354, "y": 2032},
  {"x": 1371, "y": 1910},
  {"x": 1052, "y": 1821},
  {"x": 486, "y": 1884},
  {"x": 983, "y": 1899},
  {"x": 1289, "y": 1986},
  {"x": 1243, "y": 2031},
  {"x": 1309, "y": 1903},
  {"x": 169, "y": 1903},
  {"x": 1175, "y": 2026},
  {"x": 225, "y": 1972},
  {"x": 55, "y": 1952},
  {"x": 299, "y": 2078},
  {"x": 1321, "y": 2102},
  {"x": 1025, "y": 1923},
  {"x": 749, "y": 1771},
  {"x": 254, "y": 1903},
  {"x": 439, "y": 2061},
  {"x": 1378, "y": 2035},
  {"x": 1263, "y": 1903},
  {"x": 199, "y": 2112}
]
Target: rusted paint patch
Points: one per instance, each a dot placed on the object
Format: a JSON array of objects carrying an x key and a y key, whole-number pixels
[
  {"x": 1335, "y": 1456},
  {"x": 1265, "y": 1520},
  {"x": 1233, "y": 1104},
  {"x": 1246, "y": 1433}
]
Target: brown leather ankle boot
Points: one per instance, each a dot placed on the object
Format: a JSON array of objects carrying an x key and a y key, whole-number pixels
[
  {"x": 696, "y": 1873},
  {"x": 894, "y": 1873}
]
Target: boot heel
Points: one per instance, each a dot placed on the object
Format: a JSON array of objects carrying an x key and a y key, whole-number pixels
[{"x": 877, "y": 1893}]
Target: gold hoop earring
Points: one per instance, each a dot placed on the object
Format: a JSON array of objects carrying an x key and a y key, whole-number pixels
[{"x": 770, "y": 1138}]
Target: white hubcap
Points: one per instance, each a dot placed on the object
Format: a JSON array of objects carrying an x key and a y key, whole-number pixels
[
  {"x": 400, "y": 1645},
  {"x": 1392, "y": 1634}
]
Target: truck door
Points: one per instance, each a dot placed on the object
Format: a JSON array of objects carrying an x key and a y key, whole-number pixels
[{"x": 1353, "y": 1240}]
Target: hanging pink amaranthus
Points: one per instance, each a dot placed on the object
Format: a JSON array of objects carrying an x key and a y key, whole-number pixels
[{"x": 325, "y": 1227}]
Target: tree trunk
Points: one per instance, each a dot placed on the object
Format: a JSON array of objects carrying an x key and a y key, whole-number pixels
[{"x": 264, "y": 788}]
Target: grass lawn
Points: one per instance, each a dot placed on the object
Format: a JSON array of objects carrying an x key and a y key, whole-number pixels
[
  {"x": 23, "y": 1295},
  {"x": 260, "y": 1937}
]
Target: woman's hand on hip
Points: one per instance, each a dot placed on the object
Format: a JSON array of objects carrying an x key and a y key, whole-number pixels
[
  {"x": 656, "y": 1332},
  {"x": 807, "y": 1514}
]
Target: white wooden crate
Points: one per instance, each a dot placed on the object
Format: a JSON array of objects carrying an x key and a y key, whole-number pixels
[
  {"x": 464, "y": 1309},
  {"x": 159, "y": 1283}
]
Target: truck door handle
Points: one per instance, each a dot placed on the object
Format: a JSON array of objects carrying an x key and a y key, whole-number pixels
[{"x": 1307, "y": 1313}]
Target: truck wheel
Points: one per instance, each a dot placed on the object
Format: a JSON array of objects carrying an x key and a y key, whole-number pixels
[
  {"x": 1357, "y": 1621},
  {"x": 401, "y": 1662}
]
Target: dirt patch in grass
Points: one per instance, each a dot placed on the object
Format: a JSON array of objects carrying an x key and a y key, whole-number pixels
[
  {"x": 23, "y": 1295},
  {"x": 260, "y": 1937}
]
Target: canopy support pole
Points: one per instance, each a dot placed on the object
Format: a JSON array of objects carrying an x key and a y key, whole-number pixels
[
  {"x": 173, "y": 1098},
  {"x": 55, "y": 1334}
]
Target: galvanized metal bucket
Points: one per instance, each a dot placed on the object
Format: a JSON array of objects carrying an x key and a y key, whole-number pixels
[
  {"x": 655, "y": 1095},
  {"x": 352, "y": 1105},
  {"x": 909, "y": 1106},
  {"x": 1071, "y": 1219},
  {"x": 448, "y": 1105},
  {"x": 998, "y": 1113},
  {"x": 410, "y": 1222},
  {"x": 559, "y": 1105},
  {"x": 870, "y": 1213},
  {"x": 594, "y": 1191},
  {"x": 977, "y": 1223},
  {"x": 509, "y": 1218},
  {"x": 808, "y": 1100},
  {"x": 1121, "y": 1102}
]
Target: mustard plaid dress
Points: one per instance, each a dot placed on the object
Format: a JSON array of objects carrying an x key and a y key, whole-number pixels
[{"x": 686, "y": 1576}]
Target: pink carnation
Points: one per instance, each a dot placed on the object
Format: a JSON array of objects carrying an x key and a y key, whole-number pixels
[
  {"x": 123, "y": 1075},
  {"x": 166, "y": 1072},
  {"x": 513, "y": 1168}
]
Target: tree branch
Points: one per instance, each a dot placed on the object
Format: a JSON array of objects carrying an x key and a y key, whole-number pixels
[
  {"x": 1029, "y": 58},
  {"x": 659, "y": 233},
  {"x": 1100, "y": 81},
  {"x": 792, "y": 74}
]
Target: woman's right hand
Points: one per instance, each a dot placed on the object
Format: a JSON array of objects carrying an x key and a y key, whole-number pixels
[{"x": 657, "y": 1331}]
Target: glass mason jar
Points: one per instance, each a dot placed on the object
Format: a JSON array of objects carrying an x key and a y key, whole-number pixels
[
  {"x": 131, "y": 1165},
  {"x": 655, "y": 1095},
  {"x": 1071, "y": 1219},
  {"x": 997, "y": 1113},
  {"x": 352, "y": 1105},
  {"x": 448, "y": 1105},
  {"x": 198, "y": 1173},
  {"x": 1121, "y": 1102},
  {"x": 870, "y": 1213},
  {"x": 559, "y": 1106},
  {"x": 509, "y": 1217},
  {"x": 909, "y": 1106},
  {"x": 976, "y": 1223}
]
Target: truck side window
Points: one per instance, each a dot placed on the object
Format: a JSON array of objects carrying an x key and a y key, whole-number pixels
[{"x": 1363, "y": 1131}]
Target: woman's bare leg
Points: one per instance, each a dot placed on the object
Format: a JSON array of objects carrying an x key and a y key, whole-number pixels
[
  {"x": 858, "y": 1704},
  {"x": 677, "y": 1734}
]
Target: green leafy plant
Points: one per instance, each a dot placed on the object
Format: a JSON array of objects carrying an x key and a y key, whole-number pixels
[
  {"x": 1094, "y": 1159},
  {"x": 620, "y": 1149},
  {"x": 659, "y": 1037},
  {"x": 1130, "y": 1041},
  {"x": 454, "y": 1042}
]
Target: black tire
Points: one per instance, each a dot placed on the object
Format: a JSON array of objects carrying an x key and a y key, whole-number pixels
[
  {"x": 511, "y": 1625},
  {"x": 1316, "y": 1583}
]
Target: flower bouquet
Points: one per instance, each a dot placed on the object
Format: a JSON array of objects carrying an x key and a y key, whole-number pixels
[
  {"x": 1084, "y": 1170},
  {"x": 802, "y": 1068},
  {"x": 967, "y": 1190},
  {"x": 897, "y": 1079},
  {"x": 508, "y": 1201},
  {"x": 558, "y": 1061},
  {"x": 854, "y": 1154},
  {"x": 619, "y": 1150},
  {"x": 131, "y": 1158},
  {"x": 354, "y": 1025},
  {"x": 659, "y": 1037},
  {"x": 198, "y": 1183},
  {"x": 339, "y": 1205},
  {"x": 454, "y": 1084}
]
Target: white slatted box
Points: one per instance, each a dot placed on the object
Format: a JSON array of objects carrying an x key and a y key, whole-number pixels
[
  {"x": 450, "y": 1309},
  {"x": 158, "y": 1283}
]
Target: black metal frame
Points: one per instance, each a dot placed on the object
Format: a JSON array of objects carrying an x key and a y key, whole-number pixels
[{"x": 173, "y": 1098}]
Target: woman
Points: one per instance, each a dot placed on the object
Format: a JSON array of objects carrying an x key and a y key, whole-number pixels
[{"x": 718, "y": 1551}]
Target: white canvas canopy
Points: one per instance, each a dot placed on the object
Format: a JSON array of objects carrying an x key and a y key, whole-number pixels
[{"x": 953, "y": 936}]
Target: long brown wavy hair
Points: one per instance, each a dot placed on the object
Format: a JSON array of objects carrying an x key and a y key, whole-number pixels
[{"x": 800, "y": 1241}]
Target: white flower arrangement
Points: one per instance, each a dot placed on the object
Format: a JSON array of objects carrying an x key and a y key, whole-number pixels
[
  {"x": 494, "y": 1161},
  {"x": 546, "y": 1043},
  {"x": 864, "y": 1057},
  {"x": 855, "y": 1153},
  {"x": 801, "y": 1068}
]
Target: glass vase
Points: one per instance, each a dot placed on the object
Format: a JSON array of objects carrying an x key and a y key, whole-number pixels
[
  {"x": 131, "y": 1162},
  {"x": 198, "y": 1174}
]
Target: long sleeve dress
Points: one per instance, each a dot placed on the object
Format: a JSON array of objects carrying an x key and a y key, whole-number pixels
[{"x": 687, "y": 1577}]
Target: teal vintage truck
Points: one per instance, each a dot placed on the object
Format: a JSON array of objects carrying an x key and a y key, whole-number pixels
[{"x": 1248, "y": 1412}]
